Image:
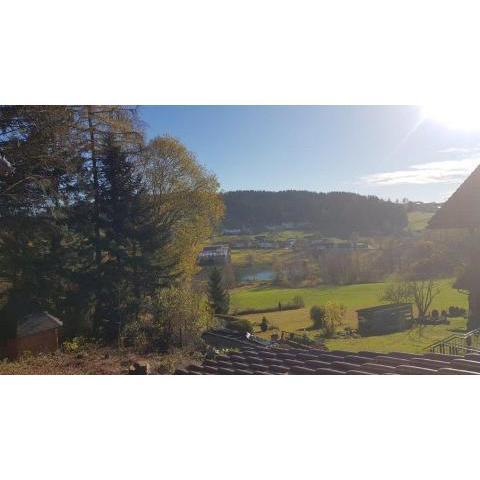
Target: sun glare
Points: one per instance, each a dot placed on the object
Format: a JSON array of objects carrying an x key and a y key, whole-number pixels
[{"x": 455, "y": 116}]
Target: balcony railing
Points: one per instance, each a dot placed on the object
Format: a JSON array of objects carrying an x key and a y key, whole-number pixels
[{"x": 458, "y": 344}]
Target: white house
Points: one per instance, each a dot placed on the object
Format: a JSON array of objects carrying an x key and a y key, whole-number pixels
[{"x": 214, "y": 254}]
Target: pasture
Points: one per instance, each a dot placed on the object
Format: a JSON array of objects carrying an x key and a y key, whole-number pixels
[
  {"x": 353, "y": 297},
  {"x": 418, "y": 221}
]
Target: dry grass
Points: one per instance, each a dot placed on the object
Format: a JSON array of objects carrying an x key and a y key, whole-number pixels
[{"x": 96, "y": 361}]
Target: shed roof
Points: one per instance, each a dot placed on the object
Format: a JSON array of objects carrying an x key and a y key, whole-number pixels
[
  {"x": 462, "y": 209},
  {"x": 387, "y": 307},
  {"x": 36, "y": 323}
]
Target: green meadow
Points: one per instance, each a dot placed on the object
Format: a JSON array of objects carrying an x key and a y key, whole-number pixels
[
  {"x": 353, "y": 297},
  {"x": 418, "y": 221}
]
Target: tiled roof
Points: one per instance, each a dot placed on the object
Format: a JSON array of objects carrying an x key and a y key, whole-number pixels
[{"x": 253, "y": 360}]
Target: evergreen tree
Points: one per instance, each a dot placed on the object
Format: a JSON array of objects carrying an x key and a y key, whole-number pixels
[
  {"x": 92, "y": 222},
  {"x": 133, "y": 238},
  {"x": 217, "y": 294},
  {"x": 34, "y": 197}
]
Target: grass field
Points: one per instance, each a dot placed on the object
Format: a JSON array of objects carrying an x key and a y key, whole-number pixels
[
  {"x": 413, "y": 341},
  {"x": 353, "y": 297},
  {"x": 276, "y": 235},
  {"x": 418, "y": 221}
]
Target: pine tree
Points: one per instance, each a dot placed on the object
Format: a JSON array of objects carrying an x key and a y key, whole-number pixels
[
  {"x": 217, "y": 294},
  {"x": 133, "y": 238}
]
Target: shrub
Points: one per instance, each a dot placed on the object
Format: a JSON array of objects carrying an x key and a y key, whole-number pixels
[
  {"x": 74, "y": 345},
  {"x": 264, "y": 324},
  {"x": 435, "y": 314},
  {"x": 317, "y": 314},
  {"x": 241, "y": 325},
  {"x": 334, "y": 314},
  {"x": 173, "y": 317},
  {"x": 238, "y": 324},
  {"x": 454, "y": 311}
]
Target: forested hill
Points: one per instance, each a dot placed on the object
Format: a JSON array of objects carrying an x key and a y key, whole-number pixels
[{"x": 334, "y": 214}]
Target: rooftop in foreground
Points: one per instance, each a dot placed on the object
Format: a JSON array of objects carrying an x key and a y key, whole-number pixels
[{"x": 258, "y": 360}]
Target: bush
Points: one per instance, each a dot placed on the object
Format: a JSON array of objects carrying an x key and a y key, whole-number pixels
[
  {"x": 74, "y": 345},
  {"x": 264, "y": 325},
  {"x": 435, "y": 314},
  {"x": 173, "y": 317},
  {"x": 334, "y": 314},
  {"x": 241, "y": 325},
  {"x": 454, "y": 311},
  {"x": 236, "y": 323},
  {"x": 317, "y": 314}
]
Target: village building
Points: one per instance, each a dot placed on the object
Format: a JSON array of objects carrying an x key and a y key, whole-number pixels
[
  {"x": 232, "y": 231},
  {"x": 214, "y": 254}
]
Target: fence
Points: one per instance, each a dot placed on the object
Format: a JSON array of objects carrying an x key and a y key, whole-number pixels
[{"x": 457, "y": 344}]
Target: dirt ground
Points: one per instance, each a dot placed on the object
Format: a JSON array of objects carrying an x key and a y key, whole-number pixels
[{"x": 96, "y": 361}]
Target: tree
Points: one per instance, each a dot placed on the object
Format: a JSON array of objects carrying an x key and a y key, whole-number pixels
[
  {"x": 174, "y": 317},
  {"x": 185, "y": 193},
  {"x": 264, "y": 324},
  {"x": 318, "y": 315},
  {"x": 132, "y": 241},
  {"x": 337, "y": 214},
  {"x": 421, "y": 292},
  {"x": 34, "y": 197},
  {"x": 397, "y": 291},
  {"x": 93, "y": 223},
  {"x": 334, "y": 315},
  {"x": 229, "y": 275},
  {"x": 93, "y": 128},
  {"x": 217, "y": 294}
]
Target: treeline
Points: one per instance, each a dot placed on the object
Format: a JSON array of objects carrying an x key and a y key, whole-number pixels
[
  {"x": 334, "y": 214},
  {"x": 100, "y": 227}
]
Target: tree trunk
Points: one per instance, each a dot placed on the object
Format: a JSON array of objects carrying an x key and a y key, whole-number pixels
[{"x": 96, "y": 216}]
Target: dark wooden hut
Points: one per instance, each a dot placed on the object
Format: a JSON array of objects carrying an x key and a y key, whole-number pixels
[
  {"x": 385, "y": 319},
  {"x": 37, "y": 333},
  {"x": 462, "y": 211}
]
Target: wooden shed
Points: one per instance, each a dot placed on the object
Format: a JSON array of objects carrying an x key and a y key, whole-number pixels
[
  {"x": 385, "y": 319},
  {"x": 37, "y": 333}
]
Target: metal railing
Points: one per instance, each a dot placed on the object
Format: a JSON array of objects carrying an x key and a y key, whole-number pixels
[{"x": 458, "y": 344}]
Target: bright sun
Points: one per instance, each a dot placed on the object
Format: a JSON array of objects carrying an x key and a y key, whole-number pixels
[{"x": 455, "y": 116}]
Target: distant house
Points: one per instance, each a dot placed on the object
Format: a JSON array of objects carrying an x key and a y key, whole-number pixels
[
  {"x": 324, "y": 244},
  {"x": 214, "y": 254},
  {"x": 267, "y": 245},
  {"x": 232, "y": 231},
  {"x": 241, "y": 244},
  {"x": 37, "y": 333}
]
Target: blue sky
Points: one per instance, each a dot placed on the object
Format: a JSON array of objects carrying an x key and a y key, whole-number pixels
[{"x": 388, "y": 151}]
